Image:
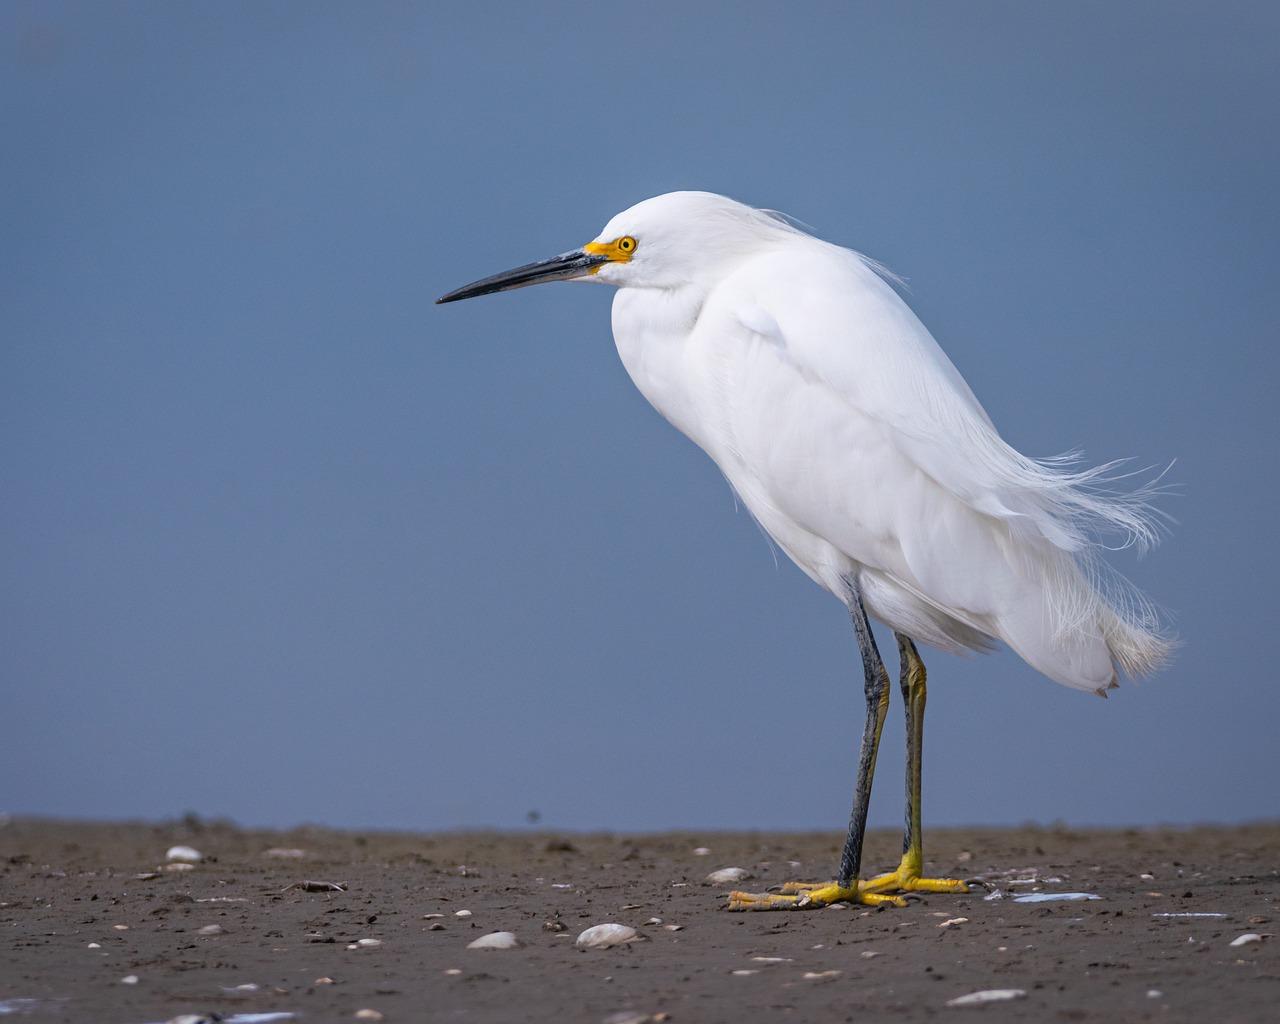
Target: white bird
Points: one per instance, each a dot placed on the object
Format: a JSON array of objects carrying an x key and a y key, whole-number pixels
[{"x": 859, "y": 448}]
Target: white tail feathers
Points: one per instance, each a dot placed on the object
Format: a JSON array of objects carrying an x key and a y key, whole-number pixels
[
  {"x": 1138, "y": 646},
  {"x": 1079, "y": 621}
]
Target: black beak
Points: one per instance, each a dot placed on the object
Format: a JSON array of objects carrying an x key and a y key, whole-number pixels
[{"x": 559, "y": 268}]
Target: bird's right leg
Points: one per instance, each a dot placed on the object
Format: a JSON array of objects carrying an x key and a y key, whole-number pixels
[{"x": 846, "y": 888}]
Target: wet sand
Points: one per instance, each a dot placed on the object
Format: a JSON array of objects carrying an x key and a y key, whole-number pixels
[{"x": 83, "y": 906}]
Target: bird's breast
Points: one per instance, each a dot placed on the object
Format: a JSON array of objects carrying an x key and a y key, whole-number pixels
[{"x": 652, "y": 330}]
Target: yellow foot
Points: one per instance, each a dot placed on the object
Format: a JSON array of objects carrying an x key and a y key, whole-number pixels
[
  {"x": 811, "y": 896},
  {"x": 907, "y": 879}
]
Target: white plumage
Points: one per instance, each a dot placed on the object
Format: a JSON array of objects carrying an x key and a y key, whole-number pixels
[{"x": 859, "y": 448}]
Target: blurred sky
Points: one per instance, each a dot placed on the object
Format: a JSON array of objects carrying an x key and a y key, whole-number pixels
[{"x": 281, "y": 540}]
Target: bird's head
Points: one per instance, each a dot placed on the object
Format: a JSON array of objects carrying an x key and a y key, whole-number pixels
[{"x": 664, "y": 242}]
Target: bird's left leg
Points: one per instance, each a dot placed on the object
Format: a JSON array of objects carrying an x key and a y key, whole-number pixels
[
  {"x": 846, "y": 888},
  {"x": 907, "y": 877}
]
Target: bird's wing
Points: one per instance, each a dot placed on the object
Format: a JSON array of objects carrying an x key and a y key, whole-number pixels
[{"x": 839, "y": 323}]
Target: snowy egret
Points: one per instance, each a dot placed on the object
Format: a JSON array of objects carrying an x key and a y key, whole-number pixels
[{"x": 856, "y": 444}]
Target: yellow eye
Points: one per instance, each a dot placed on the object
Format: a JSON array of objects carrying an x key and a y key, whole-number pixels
[{"x": 626, "y": 244}]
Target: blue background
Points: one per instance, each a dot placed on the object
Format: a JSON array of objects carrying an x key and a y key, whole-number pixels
[{"x": 281, "y": 540}]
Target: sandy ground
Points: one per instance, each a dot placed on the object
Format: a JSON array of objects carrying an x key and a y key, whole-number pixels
[{"x": 84, "y": 906}]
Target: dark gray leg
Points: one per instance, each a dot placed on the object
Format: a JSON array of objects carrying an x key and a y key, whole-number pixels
[{"x": 876, "y": 689}]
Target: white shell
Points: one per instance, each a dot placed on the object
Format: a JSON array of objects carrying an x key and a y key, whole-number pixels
[
  {"x": 1051, "y": 897},
  {"x": 726, "y": 875},
  {"x": 367, "y": 1014},
  {"x": 1246, "y": 938},
  {"x": 187, "y": 854},
  {"x": 701, "y": 851},
  {"x": 495, "y": 940},
  {"x": 629, "y": 1017},
  {"x": 129, "y": 979},
  {"x": 602, "y": 936},
  {"x": 462, "y": 913},
  {"x": 210, "y": 929},
  {"x": 368, "y": 943},
  {"x": 989, "y": 995},
  {"x": 286, "y": 853},
  {"x": 1191, "y": 913}
]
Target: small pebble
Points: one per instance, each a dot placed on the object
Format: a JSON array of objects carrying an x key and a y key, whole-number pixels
[
  {"x": 95, "y": 945},
  {"x": 187, "y": 854},
  {"x": 1154, "y": 993},
  {"x": 129, "y": 979},
  {"x": 462, "y": 913},
  {"x": 702, "y": 851},
  {"x": 495, "y": 940},
  {"x": 431, "y": 917},
  {"x": 284, "y": 852},
  {"x": 821, "y": 975},
  {"x": 726, "y": 875},
  {"x": 120, "y": 927},
  {"x": 744, "y": 973},
  {"x": 210, "y": 929},
  {"x": 673, "y": 927},
  {"x": 602, "y": 936},
  {"x": 868, "y": 954},
  {"x": 323, "y": 981},
  {"x": 366, "y": 943},
  {"x": 367, "y": 1014},
  {"x": 435, "y": 926},
  {"x": 453, "y": 971},
  {"x": 771, "y": 959}
]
